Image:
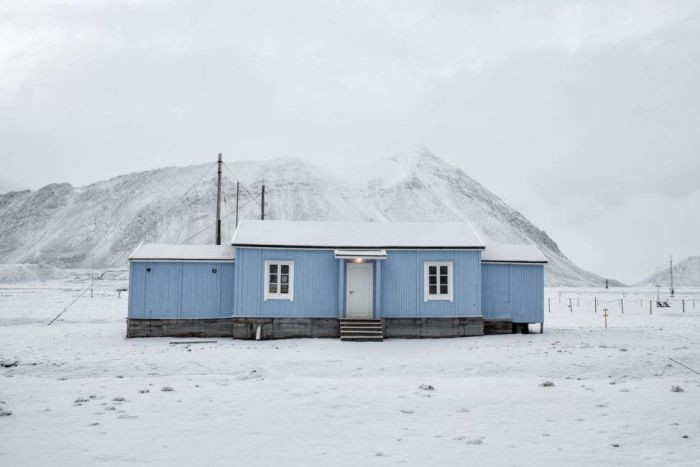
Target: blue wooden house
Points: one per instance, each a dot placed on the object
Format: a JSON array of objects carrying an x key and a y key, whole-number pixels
[{"x": 357, "y": 281}]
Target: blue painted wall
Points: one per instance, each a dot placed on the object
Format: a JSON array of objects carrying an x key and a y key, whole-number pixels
[
  {"x": 402, "y": 284},
  {"x": 180, "y": 290},
  {"x": 513, "y": 291},
  {"x": 316, "y": 283}
]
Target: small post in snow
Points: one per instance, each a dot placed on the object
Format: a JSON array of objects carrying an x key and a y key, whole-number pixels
[
  {"x": 549, "y": 304},
  {"x": 571, "y": 308},
  {"x": 622, "y": 305},
  {"x": 683, "y": 301},
  {"x": 649, "y": 306},
  {"x": 605, "y": 315},
  {"x": 595, "y": 304}
]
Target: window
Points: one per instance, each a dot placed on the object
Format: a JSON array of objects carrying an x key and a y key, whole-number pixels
[
  {"x": 437, "y": 281},
  {"x": 279, "y": 280}
]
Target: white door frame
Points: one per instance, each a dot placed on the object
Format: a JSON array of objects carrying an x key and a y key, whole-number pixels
[{"x": 357, "y": 267}]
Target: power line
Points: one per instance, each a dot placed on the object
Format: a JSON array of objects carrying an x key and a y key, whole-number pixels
[
  {"x": 138, "y": 240},
  {"x": 214, "y": 225}
]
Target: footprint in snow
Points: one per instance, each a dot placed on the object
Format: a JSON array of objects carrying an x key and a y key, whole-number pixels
[{"x": 407, "y": 411}]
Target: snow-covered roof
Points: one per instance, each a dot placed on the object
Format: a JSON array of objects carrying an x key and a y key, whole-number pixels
[
  {"x": 495, "y": 253},
  {"x": 170, "y": 252},
  {"x": 339, "y": 235}
]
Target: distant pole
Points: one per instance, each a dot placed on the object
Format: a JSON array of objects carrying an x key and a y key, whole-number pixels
[
  {"x": 622, "y": 305},
  {"x": 549, "y": 304},
  {"x": 571, "y": 308},
  {"x": 237, "y": 192},
  {"x": 595, "y": 304},
  {"x": 218, "y": 202},
  {"x": 649, "y": 306},
  {"x": 262, "y": 203},
  {"x": 606, "y": 283},
  {"x": 684, "y": 305},
  {"x": 671, "y": 269}
]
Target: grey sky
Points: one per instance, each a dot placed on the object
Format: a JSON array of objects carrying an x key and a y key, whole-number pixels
[{"x": 583, "y": 115}]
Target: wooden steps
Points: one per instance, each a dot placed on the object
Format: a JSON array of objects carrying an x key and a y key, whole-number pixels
[{"x": 361, "y": 330}]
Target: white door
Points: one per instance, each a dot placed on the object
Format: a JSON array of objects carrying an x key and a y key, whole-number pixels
[{"x": 359, "y": 290}]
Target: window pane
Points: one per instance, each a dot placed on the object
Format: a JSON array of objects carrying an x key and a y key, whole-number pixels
[
  {"x": 443, "y": 290},
  {"x": 432, "y": 270},
  {"x": 443, "y": 280},
  {"x": 273, "y": 278},
  {"x": 284, "y": 268},
  {"x": 273, "y": 288},
  {"x": 432, "y": 290},
  {"x": 432, "y": 280},
  {"x": 284, "y": 278},
  {"x": 273, "y": 269},
  {"x": 284, "y": 288},
  {"x": 443, "y": 269}
]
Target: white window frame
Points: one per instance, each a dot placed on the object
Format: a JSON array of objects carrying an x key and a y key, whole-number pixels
[
  {"x": 450, "y": 283},
  {"x": 278, "y": 296}
]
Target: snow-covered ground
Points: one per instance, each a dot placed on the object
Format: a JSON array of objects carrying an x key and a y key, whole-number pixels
[{"x": 82, "y": 394}]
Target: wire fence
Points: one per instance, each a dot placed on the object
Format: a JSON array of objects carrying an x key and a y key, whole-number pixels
[{"x": 634, "y": 302}]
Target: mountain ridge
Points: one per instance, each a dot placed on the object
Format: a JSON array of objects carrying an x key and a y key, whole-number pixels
[
  {"x": 103, "y": 221},
  {"x": 686, "y": 273}
]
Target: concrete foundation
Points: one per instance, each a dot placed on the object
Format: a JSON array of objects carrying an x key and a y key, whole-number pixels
[
  {"x": 237, "y": 328},
  {"x": 433, "y": 327},
  {"x": 213, "y": 327},
  {"x": 283, "y": 328}
]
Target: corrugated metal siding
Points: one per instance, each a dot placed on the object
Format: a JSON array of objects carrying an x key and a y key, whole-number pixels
[
  {"x": 513, "y": 291},
  {"x": 316, "y": 280},
  {"x": 402, "y": 284},
  {"x": 174, "y": 290}
]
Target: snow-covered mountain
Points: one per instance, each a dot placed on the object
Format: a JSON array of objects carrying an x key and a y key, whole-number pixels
[
  {"x": 102, "y": 222},
  {"x": 685, "y": 274}
]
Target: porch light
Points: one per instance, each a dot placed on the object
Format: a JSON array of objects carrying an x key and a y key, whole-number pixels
[{"x": 358, "y": 260}]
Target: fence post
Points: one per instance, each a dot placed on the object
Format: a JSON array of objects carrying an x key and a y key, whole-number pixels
[
  {"x": 649, "y": 306},
  {"x": 595, "y": 304},
  {"x": 683, "y": 305},
  {"x": 622, "y": 305},
  {"x": 549, "y": 304},
  {"x": 571, "y": 308},
  {"x": 605, "y": 315}
]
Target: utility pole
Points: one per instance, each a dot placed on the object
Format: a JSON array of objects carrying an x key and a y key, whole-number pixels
[
  {"x": 237, "y": 192},
  {"x": 262, "y": 203},
  {"x": 671, "y": 261},
  {"x": 218, "y": 202}
]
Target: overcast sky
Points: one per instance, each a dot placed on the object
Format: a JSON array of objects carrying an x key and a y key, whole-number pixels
[{"x": 583, "y": 115}]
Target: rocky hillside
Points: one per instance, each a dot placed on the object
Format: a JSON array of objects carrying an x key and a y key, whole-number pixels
[{"x": 101, "y": 223}]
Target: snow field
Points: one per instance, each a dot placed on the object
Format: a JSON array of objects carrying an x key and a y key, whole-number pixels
[{"x": 82, "y": 394}]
